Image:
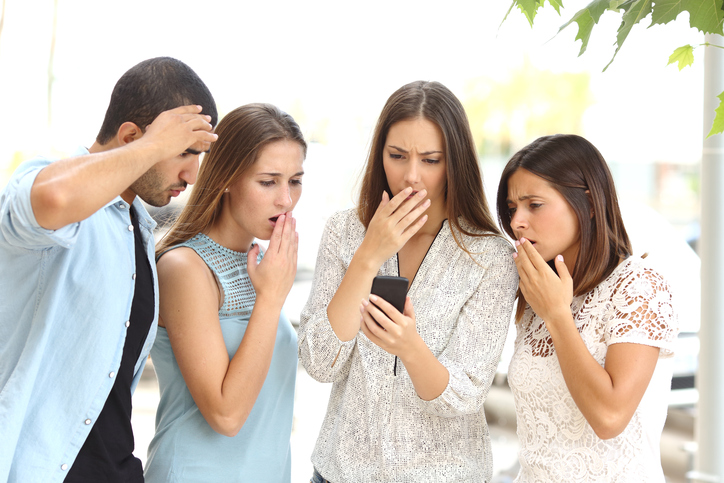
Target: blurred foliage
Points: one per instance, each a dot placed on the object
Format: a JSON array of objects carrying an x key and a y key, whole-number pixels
[
  {"x": 707, "y": 16},
  {"x": 506, "y": 114}
]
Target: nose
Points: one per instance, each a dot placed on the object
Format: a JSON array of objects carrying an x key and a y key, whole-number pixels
[
  {"x": 518, "y": 221},
  {"x": 190, "y": 170},
  {"x": 284, "y": 197},
  {"x": 412, "y": 173}
]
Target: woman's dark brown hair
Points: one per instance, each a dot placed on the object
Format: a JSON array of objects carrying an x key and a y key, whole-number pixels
[
  {"x": 243, "y": 133},
  {"x": 464, "y": 194},
  {"x": 575, "y": 168}
]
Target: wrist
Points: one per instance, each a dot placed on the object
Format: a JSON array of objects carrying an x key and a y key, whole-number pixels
[
  {"x": 365, "y": 262},
  {"x": 415, "y": 353}
]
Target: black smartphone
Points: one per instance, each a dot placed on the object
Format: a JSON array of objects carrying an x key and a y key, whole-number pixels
[{"x": 392, "y": 289}]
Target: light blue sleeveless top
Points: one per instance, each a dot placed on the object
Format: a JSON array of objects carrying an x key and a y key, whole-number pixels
[{"x": 185, "y": 448}]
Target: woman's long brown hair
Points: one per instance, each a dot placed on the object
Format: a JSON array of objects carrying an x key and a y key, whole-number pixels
[
  {"x": 243, "y": 133},
  {"x": 577, "y": 170},
  {"x": 464, "y": 194}
]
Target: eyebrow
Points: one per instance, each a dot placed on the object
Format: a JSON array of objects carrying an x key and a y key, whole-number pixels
[
  {"x": 423, "y": 154},
  {"x": 522, "y": 198},
  {"x": 195, "y": 152},
  {"x": 278, "y": 175}
]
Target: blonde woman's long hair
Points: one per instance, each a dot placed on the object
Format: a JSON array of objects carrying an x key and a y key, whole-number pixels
[{"x": 243, "y": 133}]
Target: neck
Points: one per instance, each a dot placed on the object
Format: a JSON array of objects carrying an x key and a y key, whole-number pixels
[{"x": 230, "y": 236}]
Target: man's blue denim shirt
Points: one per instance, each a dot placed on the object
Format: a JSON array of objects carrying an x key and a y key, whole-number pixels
[{"x": 64, "y": 308}]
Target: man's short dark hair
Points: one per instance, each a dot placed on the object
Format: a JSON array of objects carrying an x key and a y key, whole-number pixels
[{"x": 150, "y": 88}]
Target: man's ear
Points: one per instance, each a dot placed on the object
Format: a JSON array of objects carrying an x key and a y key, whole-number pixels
[
  {"x": 128, "y": 132},
  {"x": 590, "y": 203}
]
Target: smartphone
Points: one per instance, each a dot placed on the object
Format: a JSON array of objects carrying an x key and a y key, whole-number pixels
[{"x": 392, "y": 289}]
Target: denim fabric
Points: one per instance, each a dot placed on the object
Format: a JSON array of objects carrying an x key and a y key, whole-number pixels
[
  {"x": 317, "y": 478},
  {"x": 66, "y": 299}
]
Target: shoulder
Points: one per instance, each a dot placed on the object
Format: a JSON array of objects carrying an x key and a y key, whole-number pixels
[
  {"x": 634, "y": 278},
  {"x": 345, "y": 218},
  {"x": 346, "y": 224},
  {"x": 486, "y": 245},
  {"x": 180, "y": 261}
]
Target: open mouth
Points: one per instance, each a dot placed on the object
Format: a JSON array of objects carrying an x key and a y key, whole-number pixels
[{"x": 274, "y": 218}]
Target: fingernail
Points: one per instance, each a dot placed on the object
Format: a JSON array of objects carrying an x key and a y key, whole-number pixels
[
  {"x": 373, "y": 298},
  {"x": 517, "y": 243},
  {"x": 408, "y": 190},
  {"x": 522, "y": 240},
  {"x": 365, "y": 303},
  {"x": 560, "y": 258},
  {"x": 515, "y": 255},
  {"x": 421, "y": 193}
]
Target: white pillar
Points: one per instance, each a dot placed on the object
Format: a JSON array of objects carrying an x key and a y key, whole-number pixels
[{"x": 709, "y": 460}]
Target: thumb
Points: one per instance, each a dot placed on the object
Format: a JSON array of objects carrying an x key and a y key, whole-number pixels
[{"x": 251, "y": 260}]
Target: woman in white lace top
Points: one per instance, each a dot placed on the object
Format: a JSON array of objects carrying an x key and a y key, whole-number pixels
[
  {"x": 407, "y": 399},
  {"x": 591, "y": 369}
]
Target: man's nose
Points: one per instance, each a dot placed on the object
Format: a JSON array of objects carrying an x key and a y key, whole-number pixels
[{"x": 190, "y": 170}]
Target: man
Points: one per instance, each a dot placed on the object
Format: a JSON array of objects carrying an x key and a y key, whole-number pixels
[{"x": 79, "y": 303}]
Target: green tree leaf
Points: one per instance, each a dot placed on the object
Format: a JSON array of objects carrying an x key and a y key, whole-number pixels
[
  {"x": 666, "y": 10},
  {"x": 683, "y": 55},
  {"x": 586, "y": 18},
  {"x": 718, "y": 125},
  {"x": 706, "y": 15},
  {"x": 529, "y": 8},
  {"x": 557, "y": 4},
  {"x": 635, "y": 12}
]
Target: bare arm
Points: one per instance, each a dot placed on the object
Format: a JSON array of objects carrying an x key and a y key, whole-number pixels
[
  {"x": 225, "y": 390},
  {"x": 70, "y": 190},
  {"x": 606, "y": 396},
  {"x": 393, "y": 224}
]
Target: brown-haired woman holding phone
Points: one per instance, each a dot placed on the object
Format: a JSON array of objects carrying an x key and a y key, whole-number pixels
[{"x": 407, "y": 400}]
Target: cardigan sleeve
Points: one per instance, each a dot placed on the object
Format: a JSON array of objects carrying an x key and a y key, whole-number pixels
[{"x": 325, "y": 357}]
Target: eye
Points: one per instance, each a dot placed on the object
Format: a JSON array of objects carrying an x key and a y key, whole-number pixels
[
  {"x": 296, "y": 181},
  {"x": 430, "y": 161},
  {"x": 267, "y": 183},
  {"x": 511, "y": 210},
  {"x": 395, "y": 156},
  {"x": 533, "y": 206}
]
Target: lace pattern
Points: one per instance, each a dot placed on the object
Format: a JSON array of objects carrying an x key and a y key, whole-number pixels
[
  {"x": 229, "y": 267},
  {"x": 633, "y": 305}
]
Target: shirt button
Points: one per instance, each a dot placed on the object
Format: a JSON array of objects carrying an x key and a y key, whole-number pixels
[
  {"x": 130, "y": 227},
  {"x": 133, "y": 276},
  {"x": 128, "y": 323},
  {"x": 87, "y": 422},
  {"x": 63, "y": 467},
  {"x": 121, "y": 206},
  {"x": 112, "y": 375}
]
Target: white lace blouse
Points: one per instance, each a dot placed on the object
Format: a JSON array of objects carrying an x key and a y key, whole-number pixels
[
  {"x": 633, "y": 305},
  {"x": 376, "y": 428}
]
